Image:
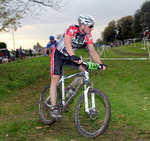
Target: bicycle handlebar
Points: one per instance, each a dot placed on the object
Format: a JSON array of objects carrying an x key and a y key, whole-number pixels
[
  {"x": 88, "y": 65},
  {"x": 92, "y": 66}
]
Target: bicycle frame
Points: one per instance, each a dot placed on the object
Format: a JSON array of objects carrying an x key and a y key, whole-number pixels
[{"x": 85, "y": 75}]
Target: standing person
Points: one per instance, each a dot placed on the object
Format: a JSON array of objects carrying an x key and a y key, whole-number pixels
[
  {"x": 30, "y": 51},
  {"x": 8, "y": 55},
  {"x": 34, "y": 52},
  {"x": 73, "y": 38},
  {"x": 17, "y": 54},
  {"x": 50, "y": 45},
  {"x": 21, "y": 53},
  {"x": 1, "y": 56}
]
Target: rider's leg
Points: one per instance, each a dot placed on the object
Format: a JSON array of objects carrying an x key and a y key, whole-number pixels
[
  {"x": 53, "y": 95},
  {"x": 77, "y": 80},
  {"x": 53, "y": 92}
]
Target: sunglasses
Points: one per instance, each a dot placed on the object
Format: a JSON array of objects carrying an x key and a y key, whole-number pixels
[{"x": 91, "y": 26}]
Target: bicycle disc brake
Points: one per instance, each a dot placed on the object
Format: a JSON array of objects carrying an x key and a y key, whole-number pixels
[{"x": 93, "y": 113}]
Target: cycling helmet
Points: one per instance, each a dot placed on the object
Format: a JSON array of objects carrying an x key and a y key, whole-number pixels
[
  {"x": 86, "y": 20},
  {"x": 51, "y": 37}
]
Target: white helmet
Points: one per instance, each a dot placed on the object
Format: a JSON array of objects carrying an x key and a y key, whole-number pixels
[{"x": 86, "y": 20}]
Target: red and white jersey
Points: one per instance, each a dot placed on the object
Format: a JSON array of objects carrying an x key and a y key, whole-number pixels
[{"x": 78, "y": 39}]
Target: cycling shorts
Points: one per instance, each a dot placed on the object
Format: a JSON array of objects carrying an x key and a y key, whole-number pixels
[{"x": 57, "y": 62}]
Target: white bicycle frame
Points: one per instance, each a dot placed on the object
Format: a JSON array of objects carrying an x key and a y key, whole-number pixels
[{"x": 85, "y": 79}]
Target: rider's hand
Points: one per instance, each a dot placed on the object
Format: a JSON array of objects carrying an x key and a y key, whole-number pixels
[
  {"x": 102, "y": 66},
  {"x": 76, "y": 59}
]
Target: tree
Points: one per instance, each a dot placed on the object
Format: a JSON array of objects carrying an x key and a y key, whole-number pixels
[
  {"x": 141, "y": 19},
  {"x": 125, "y": 28},
  {"x": 3, "y": 45},
  {"x": 109, "y": 33},
  {"x": 137, "y": 27},
  {"x": 11, "y": 11},
  {"x": 99, "y": 41}
]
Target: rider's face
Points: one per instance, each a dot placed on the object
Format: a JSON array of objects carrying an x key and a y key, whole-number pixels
[
  {"x": 52, "y": 41},
  {"x": 87, "y": 29}
]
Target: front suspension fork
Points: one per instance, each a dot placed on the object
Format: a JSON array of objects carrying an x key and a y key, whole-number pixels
[{"x": 87, "y": 109}]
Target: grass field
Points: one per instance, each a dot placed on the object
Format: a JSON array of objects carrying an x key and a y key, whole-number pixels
[{"x": 127, "y": 84}]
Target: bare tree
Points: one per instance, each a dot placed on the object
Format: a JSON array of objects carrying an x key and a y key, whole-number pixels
[{"x": 11, "y": 11}]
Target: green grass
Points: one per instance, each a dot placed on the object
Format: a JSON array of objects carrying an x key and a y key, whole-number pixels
[
  {"x": 125, "y": 82},
  {"x": 127, "y": 51},
  {"x": 19, "y": 74}
]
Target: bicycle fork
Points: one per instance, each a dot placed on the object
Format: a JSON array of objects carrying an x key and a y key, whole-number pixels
[{"x": 87, "y": 109}]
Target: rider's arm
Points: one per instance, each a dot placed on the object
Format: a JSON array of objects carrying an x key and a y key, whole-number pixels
[
  {"x": 68, "y": 46},
  {"x": 46, "y": 50},
  {"x": 94, "y": 55},
  {"x": 69, "y": 49}
]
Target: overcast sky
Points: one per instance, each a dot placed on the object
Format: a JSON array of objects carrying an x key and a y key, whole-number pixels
[{"x": 52, "y": 22}]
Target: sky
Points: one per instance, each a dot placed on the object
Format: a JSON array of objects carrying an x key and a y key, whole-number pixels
[{"x": 51, "y": 22}]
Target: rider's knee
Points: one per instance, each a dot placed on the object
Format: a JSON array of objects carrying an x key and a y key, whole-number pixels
[{"x": 55, "y": 78}]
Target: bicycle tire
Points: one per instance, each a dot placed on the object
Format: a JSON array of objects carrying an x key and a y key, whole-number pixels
[
  {"x": 88, "y": 126},
  {"x": 44, "y": 110}
]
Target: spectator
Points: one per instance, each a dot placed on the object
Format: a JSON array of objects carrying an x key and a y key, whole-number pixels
[
  {"x": 17, "y": 54},
  {"x": 34, "y": 52},
  {"x": 7, "y": 55},
  {"x": 1, "y": 56},
  {"x": 21, "y": 53},
  {"x": 30, "y": 51},
  {"x": 24, "y": 54},
  {"x": 39, "y": 50}
]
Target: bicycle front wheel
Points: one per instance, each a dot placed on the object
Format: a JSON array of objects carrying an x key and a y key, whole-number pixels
[
  {"x": 94, "y": 123},
  {"x": 45, "y": 103}
]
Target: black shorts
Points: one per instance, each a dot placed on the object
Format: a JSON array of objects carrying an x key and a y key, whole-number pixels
[{"x": 58, "y": 60}]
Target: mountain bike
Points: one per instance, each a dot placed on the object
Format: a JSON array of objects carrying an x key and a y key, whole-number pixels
[{"x": 92, "y": 111}]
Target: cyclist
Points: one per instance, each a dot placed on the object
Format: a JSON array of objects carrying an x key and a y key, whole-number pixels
[
  {"x": 146, "y": 34},
  {"x": 50, "y": 44},
  {"x": 73, "y": 38}
]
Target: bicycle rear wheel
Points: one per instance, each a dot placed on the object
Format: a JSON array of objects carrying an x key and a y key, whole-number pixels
[
  {"x": 44, "y": 109},
  {"x": 95, "y": 123}
]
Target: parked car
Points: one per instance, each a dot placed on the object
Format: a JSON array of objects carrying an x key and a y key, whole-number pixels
[{"x": 12, "y": 56}]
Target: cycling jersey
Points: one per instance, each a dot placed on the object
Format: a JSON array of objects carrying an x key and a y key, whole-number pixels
[
  {"x": 146, "y": 34},
  {"x": 78, "y": 39},
  {"x": 50, "y": 44}
]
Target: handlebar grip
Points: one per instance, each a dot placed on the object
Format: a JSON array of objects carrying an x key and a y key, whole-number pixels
[{"x": 101, "y": 66}]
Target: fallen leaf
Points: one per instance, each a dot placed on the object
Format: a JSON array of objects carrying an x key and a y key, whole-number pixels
[
  {"x": 38, "y": 127},
  {"x": 121, "y": 116}
]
